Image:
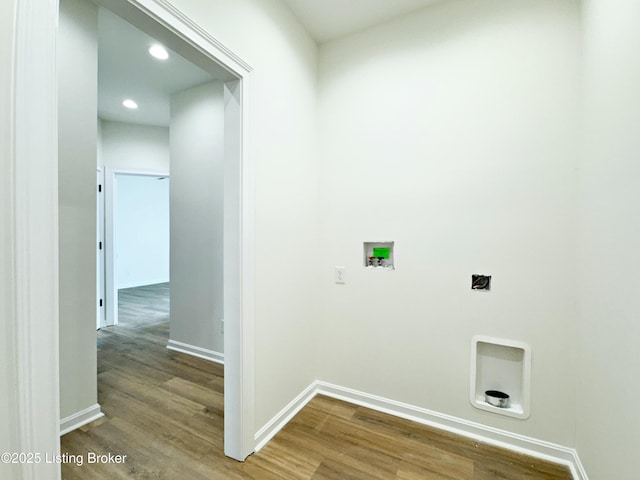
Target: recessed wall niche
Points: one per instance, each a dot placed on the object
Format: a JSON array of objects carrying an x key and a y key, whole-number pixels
[
  {"x": 379, "y": 255},
  {"x": 505, "y": 366}
]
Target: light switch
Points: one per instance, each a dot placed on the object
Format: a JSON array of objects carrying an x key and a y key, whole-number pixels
[{"x": 339, "y": 275}]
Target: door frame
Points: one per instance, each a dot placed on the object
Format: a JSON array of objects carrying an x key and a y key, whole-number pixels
[
  {"x": 111, "y": 247},
  {"x": 101, "y": 246},
  {"x": 239, "y": 213},
  {"x": 29, "y": 209},
  {"x": 33, "y": 229}
]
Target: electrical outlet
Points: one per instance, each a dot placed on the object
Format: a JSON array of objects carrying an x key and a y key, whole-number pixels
[
  {"x": 222, "y": 326},
  {"x": 339, "y": 275}
]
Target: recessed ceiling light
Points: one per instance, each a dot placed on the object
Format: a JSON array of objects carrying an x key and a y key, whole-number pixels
[
  {"x": 158, "y": 51},
  {"x": 128, "y": 103}
]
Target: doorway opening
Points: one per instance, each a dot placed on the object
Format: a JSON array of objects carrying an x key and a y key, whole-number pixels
[
  {"x": 136, "y": 235},
  {"x": 180, "y": 35}
]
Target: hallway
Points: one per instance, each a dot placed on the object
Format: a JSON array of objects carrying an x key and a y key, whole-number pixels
[{"x": 163, "y": 409}]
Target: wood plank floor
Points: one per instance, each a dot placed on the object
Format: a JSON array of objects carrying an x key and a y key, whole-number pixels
[{"x": 164, "y": 411}]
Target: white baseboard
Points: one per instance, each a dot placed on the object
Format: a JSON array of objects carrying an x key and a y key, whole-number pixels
[
  {"x": 276, "y": 424},
  {"x": 493, "y": 436},
  {"x": 196, "y": 351},
  {"x": 81, "y": 418},
  {"x": 577, "y": 469}
]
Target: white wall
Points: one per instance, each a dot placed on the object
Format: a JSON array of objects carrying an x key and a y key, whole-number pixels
[
  {"x": 142, "y": 230},
  {"x": 283, "y": 126},
  {"x": 77, "y": 80},
  {"x": 453, "y": 133},
  {"x": 609, "y": 359},
  {"x": 197, "y": 149},
  {"x": 134, "y": 147}
]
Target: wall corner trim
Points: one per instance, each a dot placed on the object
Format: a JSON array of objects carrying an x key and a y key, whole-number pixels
[
  {"x": 78, "y": 419},
  {"x": 493, "y": 436},
  {"x": 194, "y": 351}
]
